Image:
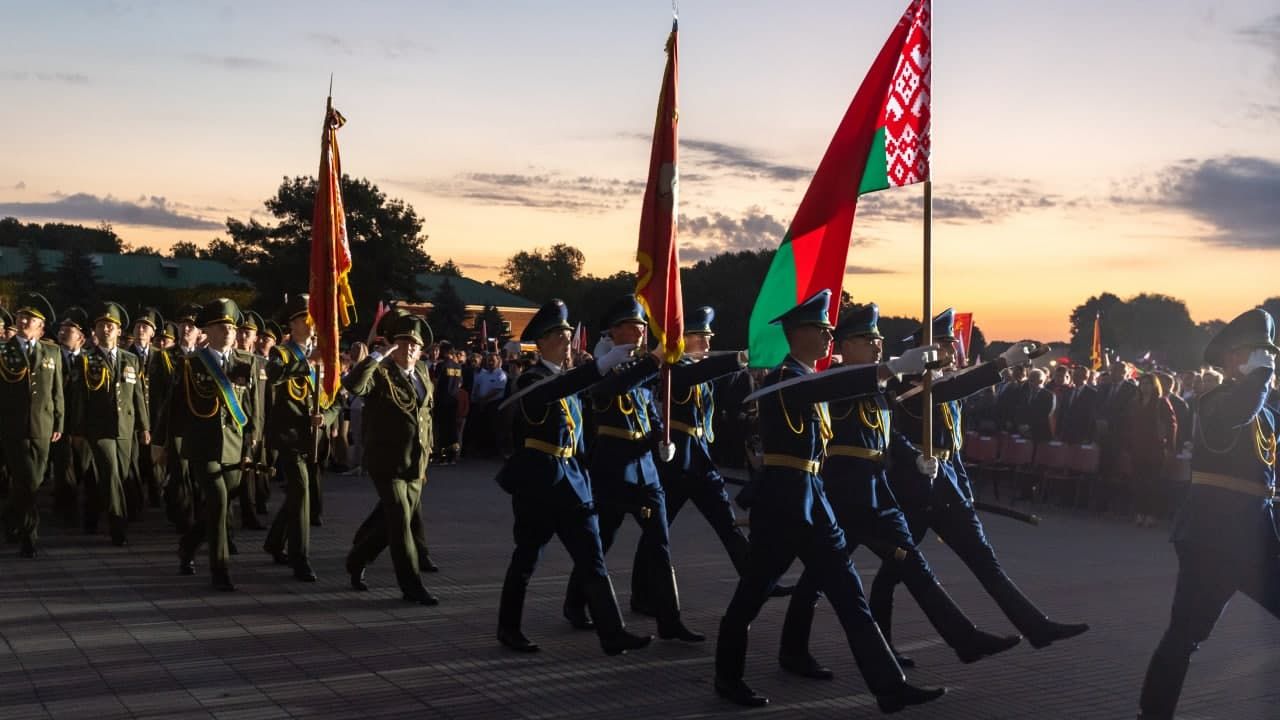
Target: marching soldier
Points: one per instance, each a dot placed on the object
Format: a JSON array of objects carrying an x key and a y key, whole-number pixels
[
  {"x": 1225, "y": 534},
  {"x": 863, "y": 444},
  {"x": 792, "y": 518},
  {"x": 265, "y": 462},
  {"x": 293, "y": 421},
  {"x": 246, "y": 344},
  {"x": 143, "y": 476},
  {"x": 550, "y": 493},
  {"x": 624, "y": 476},
  {"x": 946, "y": 504},
  {"x": 182, "y": 495},
  {"x": 31, "y": 414},
  {"x": 397, "y": 444},
  {"x": 72, "y": 461},
  {"x": 213, "y": 396},
  {"x": 108, "y": 409}
]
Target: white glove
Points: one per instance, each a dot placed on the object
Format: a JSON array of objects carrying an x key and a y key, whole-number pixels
[
  {"x": 613, "y": 357},
  {"x": 603, "y": 346},
  {"x": 666, "y": 451},
  {"x": 1018, "y": 353},
  {"x": 927, "y": 465},
  {"x": 743, "y": 358},
  {"x": 913, "y": 361},
  {"x": 1259, "y": 358}
]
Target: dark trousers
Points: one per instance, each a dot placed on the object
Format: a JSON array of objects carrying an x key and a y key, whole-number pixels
[
  {"x": 180, "y": 491},
  {"x": 707, "y": 492},
  {"x": 1206, "y": 582},
  {"x": 111, "y": 462},
  {"x": 26, "y": 460},
  {"x": 958, "y": 525},
  {"x": 538, "y": 518},
  {"x": 654, "y": 546},
  {"x": 826, "y": 560},
  {"x": 217, "y": 483},
  {"x": 885, "y": 533},
  {"x": 292, "y": 522},
  {"x": 375, "y": 523},
  {"x": 72, "y": 465},
  {"x": 392, "y": 522}
]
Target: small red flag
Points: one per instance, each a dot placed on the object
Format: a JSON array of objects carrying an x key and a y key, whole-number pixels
[
  {"x": 332, "y": 306},
  {"x": 964, "y": 333},
  {"x": 658, "y": 280},
  {"x": 1095, "y": 353}
]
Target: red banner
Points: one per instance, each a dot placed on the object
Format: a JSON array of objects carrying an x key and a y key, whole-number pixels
[
  {"x": 332, "y": 306},
  {"x": 964, "y": 334}
]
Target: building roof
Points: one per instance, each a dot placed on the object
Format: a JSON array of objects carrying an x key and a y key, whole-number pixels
[
  {"x": 472, "y": 292},
  {"x": 133, "y": 270}
]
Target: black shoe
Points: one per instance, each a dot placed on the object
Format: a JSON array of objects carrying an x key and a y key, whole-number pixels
[
  {"x": 984, "y": 644},
  {"x": 1051, "y": 632},
  {"x": 516, "y": 640},
  {"x": 906, "y": 695},
  {"x": 805, "y": 666},
  {"x": 740, "y": 693},
  {"x": 302, "y": 571},
  {"x": 622, "y": 641},
  {"x": 781, "y": 590},
  {"x": 222, "y": 582},
  {"x": 231, "y": 547},
  {"x": 186, "y": 567},
  {"x": 423, "y": 597},
  {"x": 677, "y": 631},
  {"x": 28, "y": 549},
  {"x": 641, "y": 607},
  {"x": 578, "y": 618},
  {"x": 357, "y": 581},
  {"x": 425, "y": 565},
  {"x": 279, "y": 557}
]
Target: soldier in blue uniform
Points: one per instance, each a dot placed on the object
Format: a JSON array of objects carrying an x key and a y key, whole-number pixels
[
  {"x": 550, "y": 493},
  {"x": 1226, "y": 533},
  {"x": 946, "y": 504},
  {"x": 692, "y": 475},
  {"x": 792, "y": 518},
  {"x": 864, "y": 444},
  {"x": 624, "y": 476}
]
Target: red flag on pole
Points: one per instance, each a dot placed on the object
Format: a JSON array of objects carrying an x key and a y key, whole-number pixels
[
  {"x": 658, "y": 279},
  {"x": 1095, "y": 353},
  {"x": 963, "y": 329},
  {"x": 332, "y": 306}
]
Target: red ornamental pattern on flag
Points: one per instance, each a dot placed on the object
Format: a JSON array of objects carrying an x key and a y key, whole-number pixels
[{"x": 906, "y": 110}]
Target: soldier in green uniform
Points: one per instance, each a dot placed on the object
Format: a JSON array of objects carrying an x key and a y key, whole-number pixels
[
  {"x": 108, "y": 409},
  {"x": 7, "y": 328},
  {"x": 143, "y": 478},
  {"x": 292, "y": 423},
  {"x": 265, "y": 461},
  {"x": 181, "y": 495},
  {"x": 31, "y": 414},
  {"x": 397, "y": 444},
  {"x": 72, "y": 461},
  {"x": 214, "y": 396},
  {"x": 247, "y": 343}
]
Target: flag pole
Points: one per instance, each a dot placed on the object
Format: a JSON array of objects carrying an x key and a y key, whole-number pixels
[{"x": 926, "y": 397}]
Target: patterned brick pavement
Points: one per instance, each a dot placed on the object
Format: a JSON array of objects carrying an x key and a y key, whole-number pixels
[{"x": 92, "y": 631}]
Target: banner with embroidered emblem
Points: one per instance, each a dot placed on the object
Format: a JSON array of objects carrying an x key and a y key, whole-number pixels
[{"x": 214, "y": 368}]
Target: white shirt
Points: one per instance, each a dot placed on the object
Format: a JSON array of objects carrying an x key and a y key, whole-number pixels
[{"x": 489, "y": 384}]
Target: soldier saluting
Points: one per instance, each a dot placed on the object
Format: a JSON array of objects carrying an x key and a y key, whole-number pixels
[
  {"x": 109, "y": 409},
  {"x": 31, "y": 414},
  {"x": 1226, "y": 533}
]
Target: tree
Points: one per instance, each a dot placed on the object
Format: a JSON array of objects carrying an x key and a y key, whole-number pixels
[
  {"x": 449, "y": 268},
  {"x": 448, "y": 315},
  {"x": 139, "y": 250},
  {"x": 1082, "y": 318},
  {"x": 541, "y": 275},
  {"x": 385, "y": 236},
  {"x": 728, "y": 283},
  {"x": 59, "y": 236},
  {"x": 76, "y": 281},
  {"x": 184, "y": 249},
  {"x": 492, "y": 323},
  {"x": 36, "y": 276},
  {"x": 1149, "y": 322}
]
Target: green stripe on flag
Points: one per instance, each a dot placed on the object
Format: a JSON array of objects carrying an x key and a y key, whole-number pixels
[
  {"x": 876, "y": 175},
  {"x": 767, "y": 343}
]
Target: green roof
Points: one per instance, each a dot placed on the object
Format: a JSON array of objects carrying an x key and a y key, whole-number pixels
[
  {"x": 133, "y": 270},
  {"x": 472, "y": 292}
]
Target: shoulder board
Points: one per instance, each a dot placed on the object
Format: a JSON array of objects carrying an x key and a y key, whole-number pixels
[{"x": 47, "y": 341}]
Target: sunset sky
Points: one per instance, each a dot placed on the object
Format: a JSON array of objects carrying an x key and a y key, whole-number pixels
[{"x": 1105, "y": 147}]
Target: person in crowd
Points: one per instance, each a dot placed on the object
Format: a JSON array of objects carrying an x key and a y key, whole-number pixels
[{"x": 1152, "y": 432}]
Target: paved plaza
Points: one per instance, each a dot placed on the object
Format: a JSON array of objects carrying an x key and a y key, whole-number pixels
[{"x": 93, "y": 631}]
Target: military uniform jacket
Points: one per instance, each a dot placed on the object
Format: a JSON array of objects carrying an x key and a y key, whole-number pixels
[
  {"x": 795, "y": 425},
  {"x": 289, "y": 416},
  {"x": 397, "y": 423},
  {"x": 156, "y": 373},
  {"x": 547, "y": 435},
  {"x": 1234, "y": 434},
  {"x": 31, "y": 390},
  {"x": 163, "y": 374},
  {"x": 107, "y": 401},
  {"x": 628, "y": 426},
  {"x": 863, "y": 447},
  {"x": 211, "y": 431},
  {"x": 952, "y": 484},
  {"x": 692, "y": 413}
]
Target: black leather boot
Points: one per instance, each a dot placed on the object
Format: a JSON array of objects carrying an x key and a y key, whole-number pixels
[
  {"x": 614, "y": 638},
  {"x": 1050, "y": 632},
  {"x": 511, "y": 611},
  {"x": 1165, "y": 674},
  {"x": 983, "y": 644},
  {"x": 1038, "y": 629},
  {"x": 794, "y": 656},
  {"x": 805, "y": 666},
  {"x": 731, "y": 661},
  {"x": 670, "y": 626},
  {"x": 578, "y": 617},
  {"x": 881, "y": 671}
]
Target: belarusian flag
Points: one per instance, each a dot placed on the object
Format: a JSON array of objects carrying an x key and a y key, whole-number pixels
[{"x": 882, "y": 142}]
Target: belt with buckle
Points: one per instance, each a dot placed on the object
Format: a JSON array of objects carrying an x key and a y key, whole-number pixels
[
  {"x": 545, "y": 447},
  {"x": 621, "y": 433},
  {"x": 855, "y": 451},
  {"x": 694, "y": 430},
  {"x": 1234, "y": 484},
  {"x": 788, "y": 461}
]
